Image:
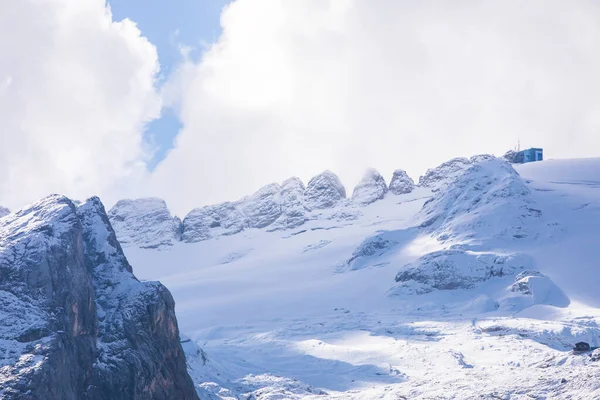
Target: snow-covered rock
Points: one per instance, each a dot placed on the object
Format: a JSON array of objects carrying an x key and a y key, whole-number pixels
[
  {"x": 371, "y": 188},
  {"x": 514, "y": 157},
  {"x": 443, "y": 175},
  {"x": 293, "y": 209},
  {"x": 211, "y": 221},
  {"x": 4, "y": 211},
  {"x": 401, "y": 183},
  {"x": 263, "y": 207},
  {"x": 458, "y": 269},
  {"x": 146, "y": 223},
  {"x": 481, "y": 158},
  {"x": 76, "y": 321},
  {"x": 488, "y": 201},
  {"x": 371, "y": 248},
  {"x": 532, "y": 287},
  {"x": 324, "y": 191}
]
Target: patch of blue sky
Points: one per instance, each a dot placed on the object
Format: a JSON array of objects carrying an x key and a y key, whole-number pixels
[{"x": 170, "y": 26}]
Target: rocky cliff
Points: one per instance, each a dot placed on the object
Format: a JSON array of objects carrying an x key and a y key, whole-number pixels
[{"x": 76, "y": 323}]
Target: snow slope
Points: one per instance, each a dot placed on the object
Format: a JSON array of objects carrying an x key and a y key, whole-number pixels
[{"x": 475, "y": 287}]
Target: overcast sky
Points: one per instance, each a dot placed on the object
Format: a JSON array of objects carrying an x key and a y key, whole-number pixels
[{"x": 199, "y": 101}]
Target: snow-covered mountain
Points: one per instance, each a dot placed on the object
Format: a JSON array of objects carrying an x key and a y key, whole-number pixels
[
  {"x": 4, "y": 211},
  {"x": 75, "y": 322},
  {"x": 474, "y": 284}
]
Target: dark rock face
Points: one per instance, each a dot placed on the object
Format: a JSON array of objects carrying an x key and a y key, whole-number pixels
[
  {"x": 371, "y": 188},
  {"x": 401, "y": 183},
  {"x": 77, "y": 323},
  {"x": 324, "y": 191}
]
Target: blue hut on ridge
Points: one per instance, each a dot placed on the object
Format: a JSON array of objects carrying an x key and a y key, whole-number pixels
[
  {"x": 525, "y": 156},
  {"x": 533, "y": 154}
]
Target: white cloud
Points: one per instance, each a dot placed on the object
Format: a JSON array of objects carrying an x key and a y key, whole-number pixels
[
  {"x": 295, "y": 87},
  {"x": 76, "y": 89}
]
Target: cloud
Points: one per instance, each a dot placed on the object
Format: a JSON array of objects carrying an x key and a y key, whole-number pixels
[
  {"x": 296, "y": 87},
  {"x": 76, "y": 89}
]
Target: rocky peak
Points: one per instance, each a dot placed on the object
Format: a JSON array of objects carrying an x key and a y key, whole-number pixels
[
  {"x": 401, "y": 183},
  {"x": 78, "y": 322},
  {"x": 324, "y": 191},
  {"x": 371, "y": 188},
  {"x": 144, "y": 222},
  {"x": 263, "y": 207}
]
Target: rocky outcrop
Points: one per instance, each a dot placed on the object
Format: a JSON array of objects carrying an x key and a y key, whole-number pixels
[
  {"x": 324, "y": 191},
  {"x": 531, "y": 287},
  {"x": 263, "y": 207},
  {"x": 146, "y": 223},
  {"x": 371, "y": 188},
  {"x": 371, "y": 248},
  {"x": 77, "y": 324},
  {"x": 210, "y": 221},
  {"x": 401, "y": 183},
  {"x": 457, "y": 269},
  {"x": 514, "y": 157},
  {"x": 293, "y": 210},
  {"x": 4, "y": 211}
]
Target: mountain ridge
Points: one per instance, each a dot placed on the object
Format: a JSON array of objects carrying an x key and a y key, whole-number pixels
[{"x": 272, "y": 207}]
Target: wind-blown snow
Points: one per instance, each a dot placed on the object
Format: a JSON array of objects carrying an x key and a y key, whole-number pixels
[{"x": 473, "y": 286}]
